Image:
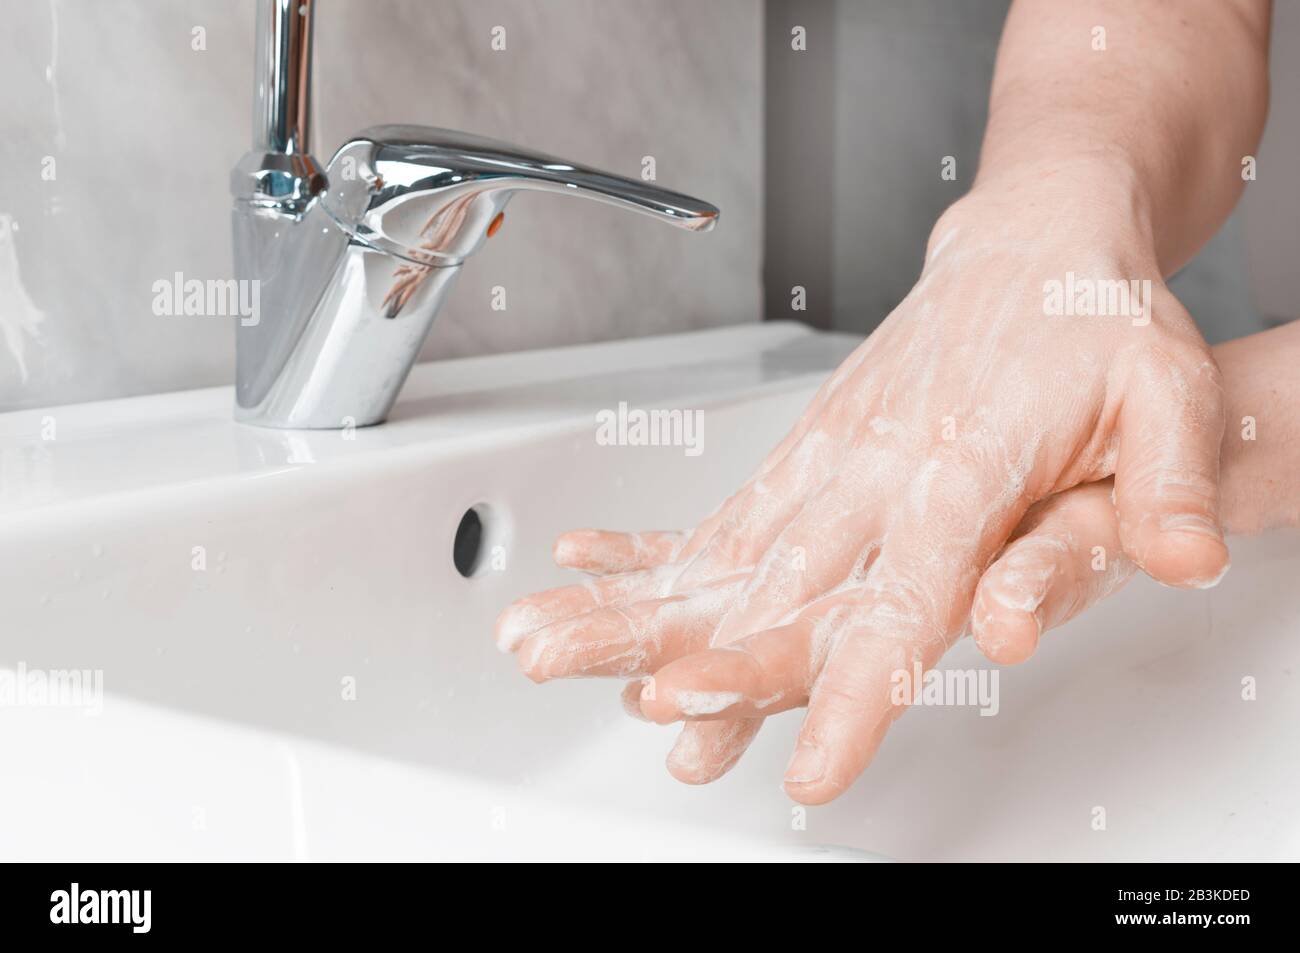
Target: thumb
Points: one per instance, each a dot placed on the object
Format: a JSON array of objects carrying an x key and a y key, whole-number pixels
[{"x": 1167, "y": 473}]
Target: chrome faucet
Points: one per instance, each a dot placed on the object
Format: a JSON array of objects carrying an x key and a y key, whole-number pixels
[{"x": 353, "y": 261}]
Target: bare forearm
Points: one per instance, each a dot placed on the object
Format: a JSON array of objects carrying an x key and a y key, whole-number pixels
[
  {"x": 1260, "y": 476},
  {"x": 1157, "y": 122}
]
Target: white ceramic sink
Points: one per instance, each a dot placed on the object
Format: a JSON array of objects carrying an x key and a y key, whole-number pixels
[{"x": 326, "y": 561}]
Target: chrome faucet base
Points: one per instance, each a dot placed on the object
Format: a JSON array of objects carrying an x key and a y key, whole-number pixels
[
  {"x": 352, "y": 262},
  {"x": 335, "y": 357}
]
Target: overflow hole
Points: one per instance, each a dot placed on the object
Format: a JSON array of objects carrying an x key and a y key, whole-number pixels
[{"x": 468, "y": 549}]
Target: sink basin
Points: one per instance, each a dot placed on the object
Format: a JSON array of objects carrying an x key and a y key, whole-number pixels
[{"x": 294, "y": 666}]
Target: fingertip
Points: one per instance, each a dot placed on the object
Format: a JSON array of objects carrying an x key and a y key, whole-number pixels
[
  {"x": 812, "y": 794},
  {"x": 838, "y": 741},
  {"x": 1008, "y": 637},
  {"x": 685, "y": 764},
  {"x": 706, "y": 750},
  {"x": 630, "y": 696},
  {"x": 1210, "y": 581},
  {"x": 1183, "y": 554},
  {"x": 657, "y": 705},
  {"x": 535, "y": 672},
  {"x": 806, "y": 778},
  {"x": 570, "y": 550},
  {"x": 532, "y": 658},
  {"x": 1005, "y": 634},
  {"x": 688, "y": 772},
  {"x": 516, "y": 622}
]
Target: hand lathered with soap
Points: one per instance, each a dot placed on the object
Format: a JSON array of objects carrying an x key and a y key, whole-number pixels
[{"x": 958, "y": 471}]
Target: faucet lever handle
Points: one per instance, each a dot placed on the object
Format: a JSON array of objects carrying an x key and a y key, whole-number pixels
[{"x": 430, "y": 195}]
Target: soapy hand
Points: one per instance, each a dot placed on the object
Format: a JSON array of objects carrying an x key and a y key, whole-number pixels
[
  {"x": 855, "y": 551},
  {"x": 1064, "y": 556},
  {"x": 1015, "y": 370}
]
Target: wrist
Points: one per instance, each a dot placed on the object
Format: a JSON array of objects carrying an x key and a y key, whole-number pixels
[{"x": 1090, "y": 203}]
